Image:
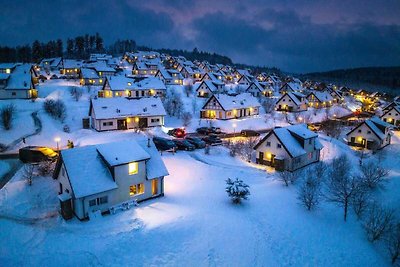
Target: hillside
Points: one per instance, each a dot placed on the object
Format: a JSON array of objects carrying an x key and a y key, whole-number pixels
[{"x": 373, "y": 78}]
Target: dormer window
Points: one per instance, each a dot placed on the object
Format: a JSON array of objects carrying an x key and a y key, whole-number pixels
[{"x": 133, "y": 168}]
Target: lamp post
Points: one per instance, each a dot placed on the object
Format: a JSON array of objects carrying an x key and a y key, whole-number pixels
[
  {"x": 57, "y": 140},
  {"x": 234, "y": 129}
]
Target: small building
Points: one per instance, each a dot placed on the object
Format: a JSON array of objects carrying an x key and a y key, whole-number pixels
[
  {"x": 208, "y": 88},
  {"x": 320, "y": 99},
  {"x": 290, "y": 87},
  {"x": 289, "y": 148},
  {"x": 392, "y": 116},
  {"x": 245, "y": 80},
  {"x": 370, "y": 134},
  {"x": 121, "y": 86},
  {"x": 18, "y": 84},
  {"x": 170, "y": 76},
  {"x": 226, "y": 107},
  {"x": 97, "y": 178},
  {"x": 146, "y": 68},
  {"x": 291, "y": 102},
  {"x": 71, "y": 68},
  {"x": 121, "y": 113},
  {"x": 90, "y": 77},
  {"x": 257, "y": 89},
  {"x": 7, "y": 68},
  {"x": 51, "y": 64}
]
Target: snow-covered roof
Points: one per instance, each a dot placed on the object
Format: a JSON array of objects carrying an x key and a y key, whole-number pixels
[
  {"x": 122, "y": 152},
  {"x": 87, "y": 172},
  {"x": 168, "y": 73},
  {"x": 302, "y": 131},
  {"x": 244, "y": 100},
  {"x": 377, "y": 125},
  {"x": 119, "y": 83},
  {"x": 72, "y": 64},
  {"x": 100, "y": 66},
  {"x": 89, "y": 73},
  {"x": 289, "y": 141},
  {"x": 20, "y": 78},
  {"x": 7, "y": 65},
  {"x": 117, "y": 107},
  {"x": 155, "y": 166},
  {"x": 150, "y": 83},
  {"x": 322, "y": 96}
]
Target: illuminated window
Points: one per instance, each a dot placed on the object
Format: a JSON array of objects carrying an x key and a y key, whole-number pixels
[
  {"x": 136, "y": 189},
  {"x": 8, "y": 71},
  {"x": 133, "y": 168}
]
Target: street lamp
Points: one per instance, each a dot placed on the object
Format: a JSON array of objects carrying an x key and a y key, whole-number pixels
[
  {"x": 57, "y": 140},
  {"x": 234, "y": 129}
]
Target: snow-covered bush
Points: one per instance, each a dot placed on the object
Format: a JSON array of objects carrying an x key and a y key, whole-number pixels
[
  {"x": 269, "y": 105},
  {"x": 287, "y": 177},
  {"x": 27, "y": 173},
  {"x": 393, "y": 243},
  {"x": 7, "y": 115},
  {"x": 188, "y": 89},
  {"x": 378, "y": 222},
  {"x": 46, "y": 168},
  {"x": 186, "y": 118},
  {"x": 55, "y": 108},
  {"x": 237, "y": 190},
  {"x": 76, "y": 92},
  {"x": 173, "y": 103},
  {"x": 360, "y": 201}
]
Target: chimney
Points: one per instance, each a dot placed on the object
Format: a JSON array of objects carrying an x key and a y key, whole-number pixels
[{"x": 148, "y": 141}]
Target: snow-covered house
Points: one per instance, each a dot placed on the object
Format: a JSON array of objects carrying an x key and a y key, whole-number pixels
[
  {"x": 7, "y": 68},
  {"x": 121, "y": 86},
  {"x": 19, "y": 83},
  {"x": 212, "y": 76},
  {"x": 102, "y": 69},
  {"x": 207, "y": 88},
  {"x": 290, "y": 87},
  {"x": 98, "y": 178},
  {"x": 392, "y": 115},
  {"x": 291, "y": 102},
  {"x": 146, "y": 68},
  {"x": 192, "y": 72},
  {"x": 289, "y": 148},
  {"x": 51, "y": 63},
  {"x": 245, "y": 80},
  {"x": 170, "y": 76},
  {"x": 320, "y": 99},
  {"x": 225, "y": 107},
  {"x": 370, "y": 134},
  {"x": 121, "y": 113},
  {"x": 257, "y": 89},
  {"x": 90, "y": 77},
  {"x": 71, "y": 68}
]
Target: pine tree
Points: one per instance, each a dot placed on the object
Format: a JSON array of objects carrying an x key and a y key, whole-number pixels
[
  {"x": 37, "y": 53},
  {"x": 59, "y": 49},
  {"x": 70, "y": 48},
  {"x": 237, "y": 190}
]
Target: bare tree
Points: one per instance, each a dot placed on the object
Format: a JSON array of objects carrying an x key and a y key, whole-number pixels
[
  {"x": 76, "y": 93},
  {"x": 247, "y": 149},
  {"x": 173, "y": 103},
  {"x": 46, "y": 168},
  {"x": 378, "y": 222},
  {"x": 7, "y": 115},
  {"x": 372, "y": 174},
  {"x": 309, "y": 193},
  {"x": 360, "y": 201},
  {"x": 286, "y": 177},
  {"x": 55, "y": 108},
  {"x": 188, "y": 89},
  {"x": 341, "y": 184},
  {"x": 268, "y": 105},
  {"x": 186, "y": 118},
  {"x": 332, "y": 129},
  {"x": 28, "y": 171},
  {"x": 320, "y": 170},
  {"x": 393, "y": 243}
]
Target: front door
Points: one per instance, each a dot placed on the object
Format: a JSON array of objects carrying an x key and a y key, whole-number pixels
[
  {"x": 154, "y": 187},
  {"x": 143, "y": 123},
  {"x": 121, "y": 125},
  {"x": 261, "y": 157}
]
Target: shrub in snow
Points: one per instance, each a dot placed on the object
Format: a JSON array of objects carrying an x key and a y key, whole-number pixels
[
  {"x": 372, "y": 174},
  {"x": 27, "y": 173},
  {"x": 393, "y": 243},
  {"x": 360, "y": 201},
  {"x": 173, "y": 103},
  {"x": 268, "y": 105},
  {"x": 186, "y": 118},
  {"x": 378, "y": 222},
  {"x": 7, "y": 115},
  {"x": 66, "y": 128},
  {"x": 46, "y": 168},
  {"x": 55, "y": 108},
  {"x": 76, "y": 93},
  {"x": 309, "y": 193},
  {"x": 188, "y": 89},
  {"x": 287, "y": 177},
  {"x": 237, "y": 190},
  {"x": 207, "y": 149}
]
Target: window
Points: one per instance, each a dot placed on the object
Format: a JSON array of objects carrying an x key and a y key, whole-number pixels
[
  {"x": 102, "y": 200},
  {"x": 133, "y": 168},
  {"x": 108, "y": 123},
  {"x": 13, "y": 93},
  {"x": 155, "y": 120},
  {"x": 359, "y": 131},
  {"x": 279, "y": 146},
  {"x": 268, "y": 143},
  {"x": 369, "y": 132},
  {"x": 310, "y": 141},
  {"x": 136, "y": 189},
  {"x": 92, "y": 202}
]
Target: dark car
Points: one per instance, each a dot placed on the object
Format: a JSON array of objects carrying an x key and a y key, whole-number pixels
[
  {"x": 249, "y": 133},
  {"x": 36, "y": 154},
  {"x": 212, "y": 140},
  {"x": 215, "y": 130},
  {"x": 183, "y": 144},
  {"x": 163, "y": 144},
  {"x": 203, "y": 130},
  {"x": 177, "y": 132},
  {"x": 197, "y": 142},
  {"x": 315, "y": 127}
]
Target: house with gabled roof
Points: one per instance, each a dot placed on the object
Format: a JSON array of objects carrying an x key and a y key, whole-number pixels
[
  {"x": 7, "y": 68},
  {"x": 245, "y": 80},
  {"x": 208, "y": 88},
  {"x": 258, "y": 89},
  {"x": 18, "y": 84},
  {"x": 51, "y": 63},
  {"x": 226, "y": 107},
  {"x": 90, "y": 77},
  {"x": 120, "y": 113},
  {"x": 146, "y": 68},
  {"x": 290, "y": 87},
  {"x": 291, "y": 102},
  {"x": 136, "y": 87},
  {"x": 170, "y": 76},
  {"x": 392, "y": 115},
  {"x": 370, "y": 134},
  {"x": 320, "y": 99},
  {"x": 289, "y": 148},
  {"x": 71, "y": 68},
  {"x": 101, "y": 178}
]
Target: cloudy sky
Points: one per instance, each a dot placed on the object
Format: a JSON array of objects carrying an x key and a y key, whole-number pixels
[{"x": 296, "y": 35}]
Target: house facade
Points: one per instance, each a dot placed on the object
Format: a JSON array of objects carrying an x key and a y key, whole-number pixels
[
  {"x": 370, "y": 134},
  {"x": 170, "y": 76},
  {"x": 99, "y": 177},
  {"x": 392, "y": 116},
  {"x": 121, "y": 113},
  {"x": 291, "y": 102},
  {"x": 18, "y": 84},
  {"x": 121, "y": 86},
  {"x": 208, "y": 88},
  {"x": 319, "y": 99},
  {"x": 226, "y": 107},
  {"x": 289, "y": 148}
]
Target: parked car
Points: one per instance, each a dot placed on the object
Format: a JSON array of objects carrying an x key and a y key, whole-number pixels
[
  {"x": 163, "y": 144},
  {"x": 212, "y": 140},
  {"x": 197, "y": 142},
  {"x": 203, "y": 130},
  {"x": 215, "y": 130},
  {"x": 249, "y": 133},
  {"x": 183, "y": 144},
  {"x": 314, "y": 127},
  {"x": 31, "y": 154},
  {"x": 177, "y": 132}
]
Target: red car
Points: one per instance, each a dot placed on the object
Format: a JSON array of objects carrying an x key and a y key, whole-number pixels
[{"x": 177, "y": 132}]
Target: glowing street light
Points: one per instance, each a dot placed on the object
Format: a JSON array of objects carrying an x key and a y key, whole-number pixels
[
  {"x": 57, "y": 140},
  {"x": 234, "y": 129}
]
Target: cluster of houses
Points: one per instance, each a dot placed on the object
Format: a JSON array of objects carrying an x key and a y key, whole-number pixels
[{"x": 18, "y": 81}]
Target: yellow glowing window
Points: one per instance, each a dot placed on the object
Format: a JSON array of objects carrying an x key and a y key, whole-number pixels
[
  {"x": 8, "y": 71},
  {"x": 133, "y": 168},
  {"x": 136, "y": 189}
]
